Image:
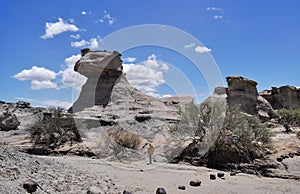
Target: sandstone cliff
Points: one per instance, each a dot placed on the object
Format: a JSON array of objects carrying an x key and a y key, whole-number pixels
[{"x": 287, "y": 97}]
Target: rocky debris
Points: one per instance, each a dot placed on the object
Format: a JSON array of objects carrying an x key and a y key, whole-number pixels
[
  {"x": 161, "y": 191},
  {"x": 220, "y": 174},
  {"x": 22, "y": 104},
  {"x": 195, "y": 183},
  {"x": 279, "y": 159},
  {"x": 52, "y": 176},
  {"x": 287, "y": 97},
  {"x": 181, "y": 187},
  {"x": 8, "y": 121},
  {"x": 212, "y": 177},
  {"x": 126, "y": 192},
  {"x": 94, "y": 190},
  {"x": 31, "y": 186}
]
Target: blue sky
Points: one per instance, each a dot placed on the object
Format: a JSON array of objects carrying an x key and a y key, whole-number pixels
[{"x": 40, "y": 40}]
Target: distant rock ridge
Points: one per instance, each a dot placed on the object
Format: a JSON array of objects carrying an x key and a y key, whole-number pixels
[{"x": 287, "y": 97}]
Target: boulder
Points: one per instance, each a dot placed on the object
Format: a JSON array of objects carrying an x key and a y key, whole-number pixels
[
  {"x": 195, "y": 183},
  {"x": 22, "y": 104},
  {"x": 8, "y": 121},
  {"x": 161, "y": 191}
]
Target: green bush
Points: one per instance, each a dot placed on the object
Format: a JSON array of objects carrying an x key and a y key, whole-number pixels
[
  {"x": 242, "y": 139},
  {"x": 125, "y": 138},
  {"x": 289, "y": 117},
  {"x": 55, "y": 129}
]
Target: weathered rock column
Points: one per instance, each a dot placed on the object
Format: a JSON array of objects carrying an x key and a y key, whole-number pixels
[{"x": 103, "y": 69}]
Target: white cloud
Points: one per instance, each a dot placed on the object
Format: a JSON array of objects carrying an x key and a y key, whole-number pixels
[
  {"x": 75, "y": 36},
  {"x": 47, "y": 84},
  {"x": 214, "y": 9},
  {"x": 129, "y": 59},
  {"x": 53, "y": 29},
  {"x": 93, "y": 43},
  {"x": 40, "y": 77},
  {"x": 218, "y": 17},
  {"x": 188, "y": 46},
  {"x": 36, "y": 73},
  {"x": 107, "y": 18},
  {"x": 69, "y": 77},
  {"x": 198, "y": 49},
  {"x": 146, "y": 76},
  {"x": 83, "y": 13},
  {"x": 81, "y": 43},
  {"x": 202, "y": 49}
]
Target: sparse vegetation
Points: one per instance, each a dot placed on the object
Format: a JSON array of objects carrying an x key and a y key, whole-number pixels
[
  {"x": 289, "y": 118},
  {"x": 55, "y": 129},
  {"x": 125, "y": 138},
  {"x": 242, "y": 139}
]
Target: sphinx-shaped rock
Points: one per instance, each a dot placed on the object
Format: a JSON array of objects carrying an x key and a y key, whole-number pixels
[{"x": 103, "y": 69}]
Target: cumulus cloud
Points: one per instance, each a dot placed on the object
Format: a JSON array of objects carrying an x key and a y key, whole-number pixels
[
  {"x": 47, "y": 84},
  {"x": 218, "y": 17},
  {"x": 53, "y": 29},
  {"x": 75, "y": 36},
  {"x": 40, "y": 77},
  {"x": 198, "y": 49},
  {"x": 35, "y": 73},
  {"x": 70, "y": 78},
  {"x": 148, "y": 75},
  {"x": 202, "y": 49},
  {"x": 93, "y": 43},
  {"x": 129, "y": 59},
  {"x": 214, "y": 9},
  {"x": 83, "y": 13},
  {"x": 191, "y": 45}
]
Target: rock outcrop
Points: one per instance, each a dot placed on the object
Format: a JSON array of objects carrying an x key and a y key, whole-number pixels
[
  {"x": 287, "y": 97},
  {"x": 242, "y": 92},
  {"x": 103, "y": 69},
  {"x": 108, "y": 103}
]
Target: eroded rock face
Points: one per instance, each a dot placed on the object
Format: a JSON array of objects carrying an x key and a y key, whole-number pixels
[
  {"x": 287, "y": 97},
  {"x": 103, "y": 69},
  {"x": 108, "y": 102},
  {"x": 242, "y": 92}
]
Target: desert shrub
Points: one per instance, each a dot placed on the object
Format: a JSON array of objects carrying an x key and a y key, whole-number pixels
[
  {"x": 55, "y": 129},
  {"x": 125, "y": 138},
  {"x": 289, "y": 117},
  {"x": 242, "y": 139}
]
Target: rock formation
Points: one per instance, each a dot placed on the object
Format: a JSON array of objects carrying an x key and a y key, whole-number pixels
[
  {"x": 108, "y": 102},
  {"x": 242, "y": 92},
  {"x": 287, "y": 97},
  {"x": 102, "y": 69}
]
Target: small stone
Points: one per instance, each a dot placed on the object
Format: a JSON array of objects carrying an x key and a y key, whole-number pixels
[
  {"x": 126, "y": 192},
  {"x": 181, "y": 187},
  {"x": 94, "y": 190},
  {"x": 220, "y": 174},
  {"x": 212, "y": 176},
  {"x": 30, "y": 185},
  {"x": 286, "y": 156},
  {"x": 291, "y": 155},
  {"x": 161, "y": 191},
  {"x": 233, "y": 174},
  {"x": 195, "y": 183},
  {"x": 279, "y": 159}
]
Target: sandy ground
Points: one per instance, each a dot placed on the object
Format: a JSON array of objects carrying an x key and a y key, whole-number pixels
[{"x": 142, "y": 178}]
